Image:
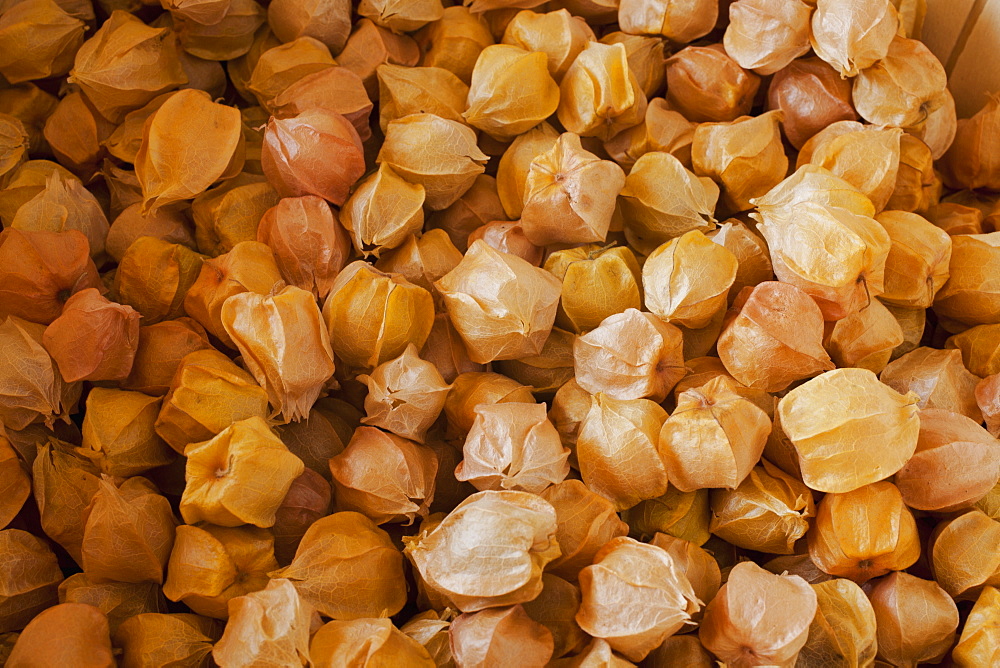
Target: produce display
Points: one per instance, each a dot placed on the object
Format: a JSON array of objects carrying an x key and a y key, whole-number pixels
[{"x": 491, "y": 333}]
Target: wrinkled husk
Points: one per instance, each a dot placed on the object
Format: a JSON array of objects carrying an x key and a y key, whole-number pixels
[
  {"x": 474, "y": 388},
  {"x": 972, "y": 293},
  {"x": 405, "y": 395},
  {"x": 597, "y": 282},
  {"x": 865, "y": 339},
  {"x": 229, "y": 214},
  {"x": 499, "y": 635},
  {"x": 988, "y": 400},
  {"x": 38, "y": 39},
  {"x": 64, "y": 204},
  {"x": 903, "y": 87},
  {"x": 93, "y": 339},
  {"x": 118, "y": 432},
  {"x": 165, "y": 639},
  {"x": 939, "y": 377},
  {"x": 370, "y": 46},
  {"x": 680, "y": 514},
  {"x": 705, "y": 84},
  {"x": 510, "y": 92},
  {"x": 662, "y": 129},
  {"x": 29, "y": 579},
  {"x": 269, "y": 627},
  {"x": 383, "y": 212},
  {"x": 980, "y": 347},
  {"x": 852, "y": 36},
  {"x": 411, "y": 90},
  {"x": 83, "y": 633},
  {"x": 766, "y": 35},
  {"x": 514, "y": 165},
  {"x": 165, "y": 223},
  {"x": 560, "y": 35},
  {"x": 63, "y": 486},
  {"x": 842, "y": 634},
  {"x": 599, "y": 95},
  {"x": 979, "y": 644},
  {"x": 917, "y": 266},
  {"x": 971, "y": 162},
  {"x": 962, "y": 554},
  {"x": 915, "y": 619},
  {"x": 118, "y": 600},
  {"x": 160, "y": 350},
  {"x": 281, "y": 66},
  {"x": 678, "y": 22},
  {"x": 698, "y": 565},
  {"x": 365, "y": 642},
  {"x": 812, "y": 95},
  {"x": 478, "y": 206},
  {"x": 231, "y": 37},
  {"x": 586, "y": 521},
  {"x": 334, "y": 88}
]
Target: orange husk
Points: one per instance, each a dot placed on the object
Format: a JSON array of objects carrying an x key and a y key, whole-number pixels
[
  {"x": 939, "y": 377},
  {"x": 84, "y": 639},
  {"x": 478, "y": 206},
  {"x": 118, "y": 600},
  {"x": 662, "y": 129},
  {"x": 585, "y": 522},
  {"x": 698, "y": 566},
  {"x": 500, "y": 635},
  {"x": 382, "y": 212},
  {"x": 865, "y": 339},
  {"x": 166, "y": 223},
  {"x": 971, "y": 160},
  {"x": 228, "y": 214},
  {"x": 979, "y": 348},
  {"x": 328, "y": 21},
  {"x": 560, "y": 35},
  {"x": 15, "y": 483},
  {"x": 988, "y": 400},
  {"x": 853, "y": 36},
  {"x": 843, "y": 628},
  {"x": 766, "y": 35},
  {"x": 915, "y": 620},
  {"x": 962, "y": 554},
  {"x": 599, "y": 94},
  {"x": 370, "y": 46},
  {"x": 63, "y": 485},
  {"x": 598, "y": 281},
  {"x": 979, "y": 644},
  {"x": 812, "y": 95},
  {"x": 266, "y": 627},
  {"x": 281, "y": 66},
  {"x": 365, "y": 642},
  {"x": 454, "y": 42},
  {"x": 405, "y": 395},
  {"x": 29, "y": 580},
  {"x": 705, "y": 84},
  {"x": 972, "y": 293},
  {"x": 335, "y": 88},
  {"x": 678, "y": 23},
  {"x": 512, "y": 170},
  {"x": 229, "y": 38},
  {"x": 917, "y": 266},
  {"x": 473, "y": 388},
  {"x": 118, "y": 432},
  {"x": 165, "y": 638},
  {"x": 39, "y": 39},
  {"x": 160, "y": 350},
  {"x": 410, "y": 90},
  {"x": 307, "y": 500}
]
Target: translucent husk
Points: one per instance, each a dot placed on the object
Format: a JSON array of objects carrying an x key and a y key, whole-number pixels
[
  {"x": 474, "y": 388},
  {"x": 75, "y": 133},
  {"x": 400, "y": 15},
  {"x": 84, "y": 638},
  {"x": 954, "y": 218},
  {"x": 63, "y": 485},
  {"x": 510, "y": 92},
  {"x": 26, "y": 181},
  {"x": 555, "y": 609},
  {"x": 385, "y": 477},
  {"x": 15, "y": 482},
  {"x": 307, "y": 500},
  {"x": 956, "y": 463},
  {"x": 489, "y": 551},
  {"x": 166, "y": 223},
  {"x": 334, "y": 551},
  {"x": 269, "y": 627},
  {"x": 971, "y": 160},
  {"x": 175, "y": 267},
  {"x": 33, "y": 389},
  {"x": 811, "y": 183},
  {"x": 38, "y": 39},
  {"x": 454, "y": 42},
  {"x": 64, "y": 204},
  {"x": 502, "y": 306},
  {"x": 125, "y": 64},
  {"x": 240, "y": 69},
  {"x": 662, "y": 129},
  {"x": 686, "y": 281},
  {"x": 680, "y": 514},
  {"x": 939, "y": 377},
  {"x": 864, "y": 533},
  {"x": 560, "y": 35},
  {"x": 13, "y": 144},
  {"x": 210, "y": 565},
  {"x": 842, "y": 634},
  {"x": 988, "y": 400},
  {"x": 366, "y": 642},
  {"x": 853, "y": 36},
  {"x": 432, "y": 630},
  {"x": 698, "y": 565},
  {"x": 654, "y": 214},
  {"x": 678, "y": 22},
  {"x": 328, "y": 21},
  {"x": 980, "y": 347},
  {"x": 918, "y": 187},
  {"x": 478, "y": 206},
  {"x": 383, "y": 212},
  {"x": 370, "y": 46},
  {"x": 768, "y": 512},
  {"x": 513, "y": 445},
  {"x": 599, "y": 94},
  {"x": 280, "y": 67},
  {"x": 705, "y": 84},
  {"x": 410, "y": 90},
  {"x": 972, "y": 293},
  {"x": 979, "y": 644},
  {"x": 32, "y": 106},
  {"x": 161, "y": 348},
  {"x": 423, "y": 259},
  {"x": 405, "y": 395},
  {"x": 165, "y": 639},
  {"x": 865, "y": 339},
  {"x": 677, "y": 651},
  {"x": 767, "y": 35},
  {"x": 585, "y": 522},
  {"x": 963, "y": 554},
  {"x": 124, "y": 142},
  {"x": 118, "y": 600},
  {"x": 902, "y": 88},
  {"x": 556, "y": 210},
  {"x": 230, "y": 38},
  {"x": 30, "y": 578},
  {"x": 646, "y": 581},
  {"x": 323, "y": 435},
  {"x": 918, "y": 262},
  {"x": 118, "y": 433},
  {"x": 317, "y": 152},
  {"x": 335, "y": 89},
  {"x": 437, "y": 153},
  {"x": 750, "y": 250},
  {"x": 812, "y": 95},
  {"x": 498, "y": 635},
  {"x": 229, "y": 214},
  {"x": 394, "y": 311},
  {"x": 939, "y": 129},
  {"x": 915, "y": 619},
  {"x": 93, "y": 339},
  {"x": 514, "y": 165},
  {"x": 617, "y": 450},
  {"x": 597, "y": 282},
  {"x": 509, "y": 237}
]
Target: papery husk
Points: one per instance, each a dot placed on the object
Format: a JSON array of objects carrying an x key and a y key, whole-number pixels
[
  {"x": 555, "y": 609},
  {"x": 165, "y": 639},
  {"x": 33, "y": 389},
  {"x": 634, "y": 597},
  {"x": 750, "y": 250},
  {"x": 229, "y": 214},
  {"x": 705, "y": 84},
  {"x": 75, "y": 133},
  {"x": 842, "y": 634},
  {"x": 509, "y": 237},
  {"x": 962, "y": 554},
  {"x": 617, "y": 450},
  {"x": 599, "y": 94},
  {"x": 405, "y": 395},
  {"x": 129, "y": 532},
  {"x": 432, "y": 630},
  {"x": 849, "y": 429},
  {"x": 397, "y": 313},
  {"x": 118, "y": 433},
  {"x": 125, "y": 64},
  {"x": 385, "y": 477},
  {"x": 31, "y": 575},
  {"x": 401, "y": 16},
  {"x": 865, "y": 156},
  {"x": 560, "y": 35},
  {"x": 918, "y": 262},
  {"x": 334, "y": 551},
  {"x": 679, "y": 514},
  {"x": 812, "y": 183},
  {"x": 812, "y": 95},
  {"x": 912, "y": 321},
  {"x": 585, "y": 522},
  {"x": 680, "y": 24},
  {"x": 703, "y": 369},
  {"x": 500, "y": 635},
  {"x": 864, "y": 533},
  {"x": 940, "y": 128},
  {"x": 84, "y": 639},
  {"x": 281, "y": 66},
  {"x": 662, "y": 129},
  {"x": 118, "y": 600},
  {"x": 124, "y": 142},
  {"x": 515, "y": 164},
  {"x": 39, "y": 39},
  {"x": 489, "y": 551},
  {"x": 980, "y": 347},
  {"x": 972, "y": 293},
  {"x": 269, "y": 627},
  {"x": 454, "y": 42},
  {"x": 956, "y": 463},
  {"x": 798, "y": 564},
  {"x": 679, "y": 652},
  {"x": 853, "y": 36},
  {"x": 478, "y": 206},
  {"x": 918, "y": 187},
  {"x": 13, "y": 144},
  {"x": 915, "y": 619},
  {"x": 370, "y": 46},
  {"x": 597, "y": 282},
  {"x": 366, "y": 642},
  {"x": 15, "y": 483},
  {"x": 473, "y": 388},
  {"x": 646, "y": 57},
  {"x": 654, "y": 214},
  {"x": 555, "y": 208},
  {"x": 317, "y": 152},
  {"x": 220, "y": 476},
  {"x": 439, "y": 154},
  {"x": 988, "y": 400},
  {"x": 510, "y": 91},
  {"x": 93, "y": 339},
  {"x": 423, "y": 259},
  {"x": 188, "y": 130},
  {"x": 939, "y": 377},
  {"x": 970, "y": 161},
  {"x": 26, "y": 181},
  {"x": 64, "y": 204},
  {"x": 176, "y": 269},
  {"x": 240, "y": 69},
  {"x": 669, "y": 290},
  {"x": 123, "y": 187},
  {"x": 230, "y": 38},
  {"x": 513, "y": 445},
  {"x": 713, "y": 438},
  {"x": 166, "y": 223},
  {"x": 161, "y": 348},
  {"x": 903, "y": 87},
  {"x": 210, "y": 565},
  {"x": 383, "y": 211},
  {"x": 978, "y": 644},
  {"x": 336, "y": 89},
  {"x": 328, "y": 21},
  {"x": 767, "y": 35},
  {"x": 206, "y": 75},
  {"x": 448, "y": 491},
  {"x": 32, "y": 106},
  {"x": 285, "y": 345},
  {"x": 865, "y": 339},
  {"x": 63, "y": 486},
  {"x": 518, "y": 300},
  {"x": 631, "y": 355},
  {"x": 768, "y": 512},
  {"x": 698, "y": 566},
  {"x": 309, "y": 245},
  {"x": 307, "y": 500},
  {"x": 410, "y": 90},
  {"x": 758, "y": 618}
]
